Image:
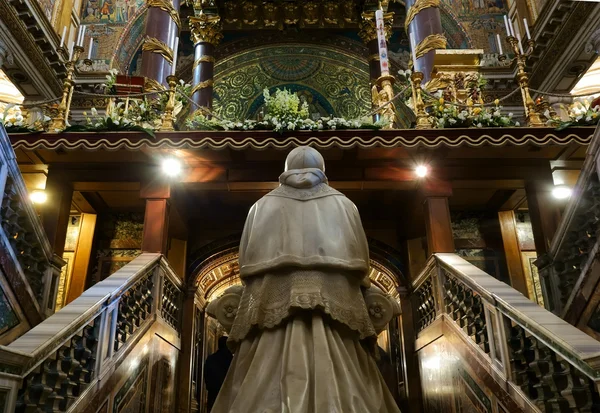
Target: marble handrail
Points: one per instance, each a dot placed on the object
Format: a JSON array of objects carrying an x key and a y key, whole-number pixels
[
  {"x": 513, "y": 334},
  {"x": 91, "y": 334},
  {"x": 556, "y": 333}
]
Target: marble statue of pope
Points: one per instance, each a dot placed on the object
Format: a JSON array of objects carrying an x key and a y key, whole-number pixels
[{"x": 302, "y": 337}]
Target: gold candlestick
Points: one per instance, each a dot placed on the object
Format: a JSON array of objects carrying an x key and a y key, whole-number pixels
[
  {"x": 168, "y": 123},
  {"x": 534, "y": 119},
  {"x": 61, "y": 115},
  {"x": 423, "y": 121}
]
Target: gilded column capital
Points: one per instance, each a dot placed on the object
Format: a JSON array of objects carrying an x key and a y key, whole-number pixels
[
  {"x": 206, "y": 28},
  {"x": 368, "y": 29}
]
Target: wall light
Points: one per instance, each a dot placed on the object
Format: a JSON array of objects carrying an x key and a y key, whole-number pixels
[
  {"x": 561, "y": 192},
  {"x": 421, "y": 171},
  {"x": 171, "y": 166},
  {"x": 38, "y": 197}
]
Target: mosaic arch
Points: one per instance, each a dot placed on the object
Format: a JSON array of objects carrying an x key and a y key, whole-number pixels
[
  {"x": 129, "y": 44},
  {"x": 219, "y": 271},
  {"x": 330, "y": 79}
]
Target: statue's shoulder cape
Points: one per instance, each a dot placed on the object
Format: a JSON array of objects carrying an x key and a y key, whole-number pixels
[{"x": 317, "y": 191}]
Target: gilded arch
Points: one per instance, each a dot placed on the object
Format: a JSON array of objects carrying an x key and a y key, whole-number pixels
[{"x": 216, "y": 268}]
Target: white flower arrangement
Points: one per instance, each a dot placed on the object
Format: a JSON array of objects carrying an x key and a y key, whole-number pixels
[
  {"x": 284, "y": 112},
  {"x": 15, "y": 120},
  {"x": 448, "y": 115}
]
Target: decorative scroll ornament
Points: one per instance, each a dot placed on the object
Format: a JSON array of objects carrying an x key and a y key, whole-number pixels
[
  {"x": 202, "y": 85},
  {"x": 331, "y": 12},
  {"x": 417, "y": 7},
  {"x": 311, "y": 13},
  {"x": 291, "y": 13},
  {"x": 431, "y": 42},
  {"x": 250, "y": 13},
  {"x": 203, "y": 59},
  {"x": 206, "y": 28},
  {"x": 368, "y": 28},
  {"x": 270, "y": 11},
  {"x": 153, "y": 45},
  {"x": 151, "y": 85},
  {"x": 167, "y": 6}
]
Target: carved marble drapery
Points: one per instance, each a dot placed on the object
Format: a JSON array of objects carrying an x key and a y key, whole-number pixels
[
  {"x": 206, "y": 34},
  {"x": 162, "y": 28}
]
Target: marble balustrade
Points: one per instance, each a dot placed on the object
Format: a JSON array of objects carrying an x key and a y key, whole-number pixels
[
  {"x": 70, "y": 356},
  {"x": 542, "y": 361}
]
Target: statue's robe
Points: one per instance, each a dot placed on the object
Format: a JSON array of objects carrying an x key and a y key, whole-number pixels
[{"x": 302, "y": 334}]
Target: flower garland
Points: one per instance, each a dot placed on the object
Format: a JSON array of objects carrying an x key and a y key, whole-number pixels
[
  {"x": 284, "y": 112},
  {"x": 448, "y": 115},
  {"x": 14, "y": 121},
  {"x": 580, "y": 114}
]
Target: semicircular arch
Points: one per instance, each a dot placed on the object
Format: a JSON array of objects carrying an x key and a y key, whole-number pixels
[
  {"x": 216, "y": 268},
  {"x": 323, "y": 73}
]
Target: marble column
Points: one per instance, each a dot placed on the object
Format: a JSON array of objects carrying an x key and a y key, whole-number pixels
[
  {"x": 206, "y": 34},
  {"x": 426, "y": 22},
  {"x": 162, "y": 27}
]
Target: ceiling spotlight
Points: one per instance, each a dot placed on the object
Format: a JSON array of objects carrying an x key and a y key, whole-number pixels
[
  {"x": 421, "y": 171},
  {"x": 171, "y": 166},
  {"x": 561, "y": 192},
  {"x": 38, "y": 197}
]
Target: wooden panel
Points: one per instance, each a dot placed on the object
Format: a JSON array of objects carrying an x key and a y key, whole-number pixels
[
  {"x": 438, "y": 226},
  {"x": 512, "y": 251},
  {"x": 156, "y": 221},
  {"x": 55, "y": 211},
  {"x": 81, "y": 260}
]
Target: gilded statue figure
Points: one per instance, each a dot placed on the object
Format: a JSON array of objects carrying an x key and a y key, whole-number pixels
[
  {"x": 378, "y": 98},
  {"x": 305, "y": 329}
]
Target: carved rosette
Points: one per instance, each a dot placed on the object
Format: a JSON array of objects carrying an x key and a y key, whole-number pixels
[{"x": 206, "y": 29}]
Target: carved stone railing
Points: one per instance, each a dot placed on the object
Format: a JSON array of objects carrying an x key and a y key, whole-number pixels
[
  {"x": 540, "y": 359},
  {"x": 575, "y": 245},
  {"x": 55, "y": 365},
  {"x": 27, "y": 259}
]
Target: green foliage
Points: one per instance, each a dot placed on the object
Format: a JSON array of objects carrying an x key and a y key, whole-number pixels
[
  {"x": 580, "y": 114},
  {"x": 284, "y": 112},
  {"x": 117, "y": 120},
  {"x": 448, "y": 115}
]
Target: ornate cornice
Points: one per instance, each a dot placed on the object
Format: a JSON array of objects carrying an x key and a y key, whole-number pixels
[
  {"x": 407, "y": 138},
  {"x": 206, "y": 28},
  {"x": 368, "y": 29},
  {"x": 18, "y": 18},
  {"x": 153, "y": 45},
  {"x": 167, "y": 6}
]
